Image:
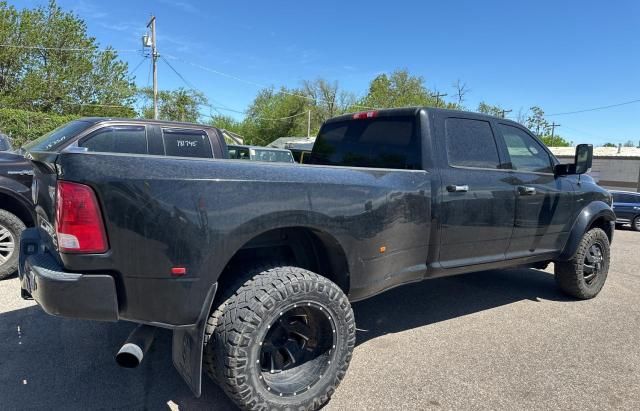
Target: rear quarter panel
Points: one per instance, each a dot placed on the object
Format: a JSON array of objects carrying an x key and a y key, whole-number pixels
[{"x": 166, "y": 212}]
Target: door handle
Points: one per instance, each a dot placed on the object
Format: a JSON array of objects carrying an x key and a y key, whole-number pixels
[
  {"x": 457, "y": 189},
  {"x": 526, "y": 191}
]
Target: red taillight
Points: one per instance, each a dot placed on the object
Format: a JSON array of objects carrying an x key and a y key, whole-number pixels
[
  {"x": 79, "y": 226},
  {"x": 365, "y": 114}
]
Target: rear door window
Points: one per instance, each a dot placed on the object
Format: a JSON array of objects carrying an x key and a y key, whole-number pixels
[
  {"x": 186, "y": 143},
  {"x": 381, "y": 142},
  {"x": 470, "y": 143},
  {"x": 626, "y": 198},
  {"x": 117, "y": 139}
]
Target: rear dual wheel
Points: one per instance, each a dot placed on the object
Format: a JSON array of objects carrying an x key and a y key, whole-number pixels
[{"x": 282, "y": 340}]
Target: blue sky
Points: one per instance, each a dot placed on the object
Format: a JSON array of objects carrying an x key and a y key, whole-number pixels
[{"x": 560, "y": 55}]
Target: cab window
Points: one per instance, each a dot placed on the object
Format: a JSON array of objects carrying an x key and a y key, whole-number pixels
[
  {"x": 117, "y": 139},
  {"x": 186, "y": 143},
  {"x": 382, "y": 142},
  {"x": 525, "y": 152},
  {"x": 470, "y": 143}
]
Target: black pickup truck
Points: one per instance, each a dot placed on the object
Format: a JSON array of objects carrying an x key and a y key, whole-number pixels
[
  {"x": 133, "y": 136},
  {"x": 16, "y": 208},
  {"x": 254, "y": 265}
]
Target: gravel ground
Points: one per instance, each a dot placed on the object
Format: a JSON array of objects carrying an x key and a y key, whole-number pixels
[{"x": 491, "y": 340}]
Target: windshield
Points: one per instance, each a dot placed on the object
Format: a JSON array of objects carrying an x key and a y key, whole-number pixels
[
  {"x": 271, "y": 155},
  {"x": 54, "y": 139}
]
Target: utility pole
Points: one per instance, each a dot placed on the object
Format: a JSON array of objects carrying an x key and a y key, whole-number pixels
[
  {"x": 553, "y": 129},
  {"x": 154, "y": 58},
  {"x": 437, "y": 95},
  {"x": 505, "y": 112},
  {"x": 309, "y": 125}
]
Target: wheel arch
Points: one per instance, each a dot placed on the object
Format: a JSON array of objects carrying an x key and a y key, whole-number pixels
[
  {"x": 304, "y": 246},
  {"x": 18, "y": 207},
  {"x": 597, "y": 214}
]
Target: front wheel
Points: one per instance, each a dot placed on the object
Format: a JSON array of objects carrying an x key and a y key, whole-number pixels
[
  {"x": 584, "y": 275},
  {"x": 283, "y": 340},
  {"x": 636, "y": 224},
  {"x": 11, "y": 228}
]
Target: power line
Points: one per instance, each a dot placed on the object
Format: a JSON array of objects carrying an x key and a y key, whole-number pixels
[
  {"x": 132, "y": 72},
  {"x": 190, "y": 85},
  {"x": 437, "y": 96},
  {"x": 184, "y": 80},
  {"x": 304, "y": 113},
  {"x": 256, "y": 84},
  {"x": 216, "y": 108},
  {"x": 19, "y": 46},
  {"x": 594, "y": 108}
]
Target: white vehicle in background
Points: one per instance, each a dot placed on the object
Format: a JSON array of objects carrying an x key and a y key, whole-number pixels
[{"x": 255, "y": 153}]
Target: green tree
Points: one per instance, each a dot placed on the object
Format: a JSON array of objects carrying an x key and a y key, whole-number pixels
[
  {"x": 555, "y": 141},
  {"x": 608, "y": 145},
  {"x": 490, "y": 109},
  {"x": 174, "y": 105},
  {"x": 326, "y": 100},
  {"x": 537, "y": 123},
  {"x": 275, "y": 114},
  {"x": 400, "y": 89},
  {"x": 53, "y": 65},
  {"x": 227, "y": 123},
  {"x": 24, "y": 126}
]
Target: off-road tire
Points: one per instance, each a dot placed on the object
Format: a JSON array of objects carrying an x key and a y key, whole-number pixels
[
  {"x": 635, "y": 224},
  {"x": 15, "y": 226},
  {"x": 238, "y": 326},
  {"x": 570, "y": 275}
]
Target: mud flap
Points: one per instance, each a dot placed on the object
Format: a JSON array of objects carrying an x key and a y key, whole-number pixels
[{"x": 188, "y": 344}]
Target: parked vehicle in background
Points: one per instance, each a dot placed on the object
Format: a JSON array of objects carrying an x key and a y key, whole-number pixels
[
  {"x": 133, "y": 136},
  {"x": 129, "y": 136},
  {"x": 300, "y": 155},
  {"x": 626, "y": 205},
  {"x": 253, "y": 265},
  {"x": 275, "y": 155},
  {"x": 16, "y": 208},
  {"x": 5, "y": 143}
]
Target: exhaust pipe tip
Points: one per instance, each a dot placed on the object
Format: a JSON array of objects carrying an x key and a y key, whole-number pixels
[
  {"x": 136, "y": 346},
  {"x": 129, "y": 356}
]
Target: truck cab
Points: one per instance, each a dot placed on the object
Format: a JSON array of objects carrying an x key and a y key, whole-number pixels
[{"x": 498, "y": 194}]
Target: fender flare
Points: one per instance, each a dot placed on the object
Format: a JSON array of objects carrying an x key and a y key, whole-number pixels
[
  {"x": 584, "y": 221},
  {"x": 16, "y": 192}
]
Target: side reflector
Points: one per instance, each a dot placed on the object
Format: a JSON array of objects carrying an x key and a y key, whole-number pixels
[{"x": 178, "y": 271}]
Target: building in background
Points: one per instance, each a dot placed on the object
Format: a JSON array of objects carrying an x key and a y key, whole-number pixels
[{"x": 614, "y": 168}]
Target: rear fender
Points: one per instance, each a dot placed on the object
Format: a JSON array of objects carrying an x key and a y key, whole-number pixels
[{"x": 587, "y": 216}]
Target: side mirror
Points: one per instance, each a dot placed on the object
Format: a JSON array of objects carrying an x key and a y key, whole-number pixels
[
  {"x": 584, "y": 158},
  {"x": 581, "y": 164}
]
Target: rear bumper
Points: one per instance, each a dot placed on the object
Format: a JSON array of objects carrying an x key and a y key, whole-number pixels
[{"x": 75, "y": 295}]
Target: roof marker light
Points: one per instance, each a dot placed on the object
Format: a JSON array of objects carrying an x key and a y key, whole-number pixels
[{"x": 365, "y": 115}]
